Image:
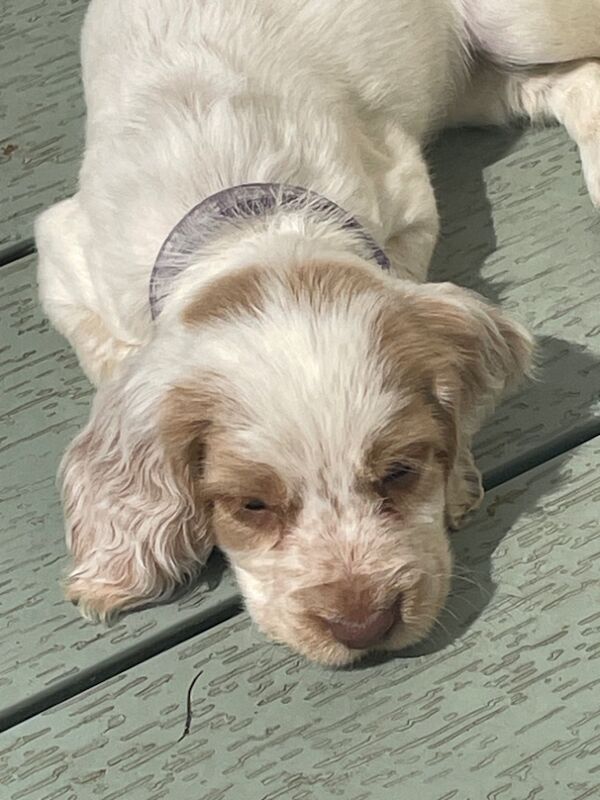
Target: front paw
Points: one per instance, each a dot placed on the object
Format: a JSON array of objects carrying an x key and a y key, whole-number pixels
[
  {"x": 464, "y": 493},
  {"x": 590, "y": 162}
]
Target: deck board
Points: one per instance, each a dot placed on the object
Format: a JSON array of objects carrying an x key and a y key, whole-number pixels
[
  {"x": 504, "y": 704},
  {"x": 41, "y": 109}
]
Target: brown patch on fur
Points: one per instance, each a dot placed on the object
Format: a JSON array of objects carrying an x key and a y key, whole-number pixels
[
  {"x": 451, "y": 334},
  {"x": 243, "y": 291},
  {"x": 194, "y": 429},
  {"x": 186, "y": 413},
  {"x": 234, "y": 483},
  {"x": 236, "y": 293},
  {"x": 402, "y": 491},
  {"x": 100, "y": 599},
  {"x": 417, "y": 439},
  {"x": 326, "y": 282},
  {"x": 409, "y": 438},
  {"x": 237, "y": 477},
  {"x": 235, "y": 532}
]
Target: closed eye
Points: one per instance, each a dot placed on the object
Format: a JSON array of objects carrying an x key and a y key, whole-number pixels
[
  {"x": 398, "y": 472},
  {"x": 255, "y": 504}
]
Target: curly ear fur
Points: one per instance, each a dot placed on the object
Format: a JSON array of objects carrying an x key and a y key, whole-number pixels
[{"x": 137, "y": 526}]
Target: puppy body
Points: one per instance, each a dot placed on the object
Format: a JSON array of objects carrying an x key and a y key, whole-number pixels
[
  {"x": 308, "y": 412},
  {"x": 185, "y": 99}
]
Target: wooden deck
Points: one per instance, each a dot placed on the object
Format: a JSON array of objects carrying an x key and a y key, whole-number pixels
[{"x": 502, "y": 701}]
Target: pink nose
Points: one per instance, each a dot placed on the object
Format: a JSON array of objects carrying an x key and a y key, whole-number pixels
[{"x": 359, "y": 635}]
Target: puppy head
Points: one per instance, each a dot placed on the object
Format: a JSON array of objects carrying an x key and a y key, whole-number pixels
[
  {"x": 308, "y": 422},
  {"x": 329, "y": 486}
]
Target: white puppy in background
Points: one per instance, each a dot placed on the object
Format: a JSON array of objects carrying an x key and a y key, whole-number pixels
[{"x": 273, "y": 375}]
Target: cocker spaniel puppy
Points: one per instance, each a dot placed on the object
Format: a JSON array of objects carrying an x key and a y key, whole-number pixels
[{"x": 241, "y": 273}]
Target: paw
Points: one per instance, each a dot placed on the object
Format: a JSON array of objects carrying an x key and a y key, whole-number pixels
[
  {"x": 590, "y": 162},
  {"x": 464, "y": 493}
]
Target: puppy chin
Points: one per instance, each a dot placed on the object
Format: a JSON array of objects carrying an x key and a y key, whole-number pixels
[{"x": 322, "y": 649}]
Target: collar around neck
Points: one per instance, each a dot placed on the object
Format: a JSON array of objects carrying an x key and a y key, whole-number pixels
[{"x": 246, "y": 201}]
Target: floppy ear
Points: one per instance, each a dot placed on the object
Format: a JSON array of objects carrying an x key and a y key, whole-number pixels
[
  {"x": 474, "y": 353},
  {"x": 137, "y": 525},
  {"x": 479, "y": 352}
]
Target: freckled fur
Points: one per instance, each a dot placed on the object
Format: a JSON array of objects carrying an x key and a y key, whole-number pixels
[{"x": 285, "y": 363}]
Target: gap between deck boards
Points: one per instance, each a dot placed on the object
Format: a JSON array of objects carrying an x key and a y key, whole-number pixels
[
  {"x": 133, "y": 656},
  {"x": 14, "y": 252}
]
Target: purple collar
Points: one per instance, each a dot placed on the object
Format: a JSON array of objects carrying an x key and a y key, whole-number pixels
[{"x": 198, "y": 226}]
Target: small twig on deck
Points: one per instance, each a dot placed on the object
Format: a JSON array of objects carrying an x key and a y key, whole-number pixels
[{"x": 188, "y": 712}]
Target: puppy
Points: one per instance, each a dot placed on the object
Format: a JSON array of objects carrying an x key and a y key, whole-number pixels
[{"x": 241, "y": 273}]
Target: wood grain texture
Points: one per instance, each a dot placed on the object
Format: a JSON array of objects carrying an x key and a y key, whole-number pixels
[
  {"x": 41, "y": 109},
  {"x": 45, "y": 399},
  {"x": 503, "y": 703}
]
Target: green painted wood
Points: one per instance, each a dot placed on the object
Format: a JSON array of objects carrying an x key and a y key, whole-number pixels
[
  {"x": 44, "y": 645},
  {"x": 41, "y": 109},
  {"x": 502, "y": 702}
]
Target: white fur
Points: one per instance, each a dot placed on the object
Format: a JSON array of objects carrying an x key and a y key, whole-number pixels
[{"x": 187, "y": 98}]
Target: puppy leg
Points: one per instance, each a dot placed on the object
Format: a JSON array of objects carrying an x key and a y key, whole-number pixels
[
  {"x": 411, "y": 206},
  {"x": 528, "y": 32},
  {"x": 99, "y": 353},
  {"x": 567, "y": 93},
  {"x": 64, "y": 285},
  {"x": 464, "y": 492}
]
